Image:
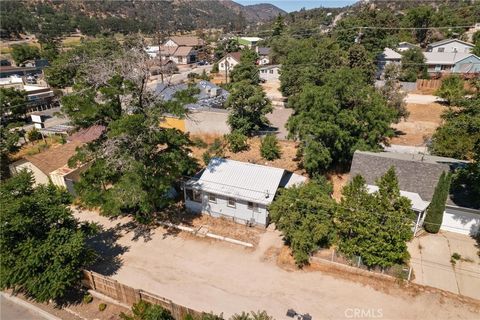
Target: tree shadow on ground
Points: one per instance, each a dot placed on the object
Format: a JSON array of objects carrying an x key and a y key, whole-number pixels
[
  {"x": 108, "y": 251},
  {"x": 177, "y": 215}
]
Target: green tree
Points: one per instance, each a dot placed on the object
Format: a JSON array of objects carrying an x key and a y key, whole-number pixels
[
  {"x": 8, "y": 145},
  {"x": 248, "y": 108},
  {"x": 420, "y": 18},
  {"x": 466, "y": 182},
  {"x": 434, "y": 216},
  {"x": 306, "y": 63},
  {"x": 458, "y": 135},
  {"x": 413, "y": 65},
  {"x": 34, "y": 135},
  {"x": 237, "y": 141},
  {"x": 23, "y": 52},
  {"x": 43, "y": 246},
  {"x": 452, "y": 89},
  {"x": 13, "y": 103},
  {"x": 305, "y": 214},
  {"x": 278, "y": 26},
  {"x": 144, "y": 310},
  {"x": 333, "y": 120},
  {"x": 359, "y": 57},
  {"x": 269, "y": 148},
  {"x": 139, "y": 161},
  {"x": 246, "y": 70},
  {"x": 375, "y": 226},
  {"x": 392, "y": 93}
]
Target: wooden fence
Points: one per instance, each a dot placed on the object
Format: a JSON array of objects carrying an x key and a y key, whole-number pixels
[
  {"x": 423, "y": 84},
  {"x": 128, "y": 295}
]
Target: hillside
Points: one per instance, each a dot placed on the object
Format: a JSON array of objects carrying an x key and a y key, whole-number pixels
[
  {"x": 56, "y": 18},
  {"x": 256, "y": 12}
]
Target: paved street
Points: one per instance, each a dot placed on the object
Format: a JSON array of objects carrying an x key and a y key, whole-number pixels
[{"x": 12, "y": 311}]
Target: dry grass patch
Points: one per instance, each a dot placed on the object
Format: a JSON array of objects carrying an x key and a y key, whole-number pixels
[
  {"x": 287, "y": 161},
  {"x": 424, "y": 119}
]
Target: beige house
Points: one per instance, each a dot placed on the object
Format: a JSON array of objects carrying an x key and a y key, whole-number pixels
[
  {"x": 51, "y": 164},
  {"x": 181, "y": 49},
  {"x": 229, "y": 61}
]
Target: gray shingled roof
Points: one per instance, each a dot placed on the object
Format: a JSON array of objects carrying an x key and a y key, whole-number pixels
[{"x": 416, "y": 173}]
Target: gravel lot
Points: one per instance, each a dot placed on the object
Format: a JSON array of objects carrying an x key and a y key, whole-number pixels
[{"x": 215, "y": 276}]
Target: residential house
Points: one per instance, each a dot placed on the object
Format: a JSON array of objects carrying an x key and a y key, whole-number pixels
[
  {"x": 450, "y": 45},
  {"x": 178, "y": 55},
  {"x": 229, "y": 61},
  {"x": 263, "y": 55},
  {"x": 236, "y": 190},
  {"x": 51, "y": 164},
  {"x": 178, "y": 49},
  {"x": 450, "y": 62},
  {"x": 388, "y": 56},
  {"x": 404, "y": 46},
  {"x": 248, "y": 42},
  {"x": 33, "y": 68},
  {"x": 269, "y": 73},
  {"x": 417, "y": 177},
  {"x": 184, "y": 41},
  {"x": 206, "y": 115}
]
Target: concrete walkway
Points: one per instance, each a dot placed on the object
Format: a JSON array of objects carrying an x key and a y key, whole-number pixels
[{"x": 430, "y": 259}]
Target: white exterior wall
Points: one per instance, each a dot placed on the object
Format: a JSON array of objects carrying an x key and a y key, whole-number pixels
[
  {"x": 461, "y": 220},
  {"x": 231, "y": 63},
  {"x": 178, "y": 59},
  {"x": 263, "y": 61},
  {"x": 270, "y": 74},
  {"x": 240, "y": 214},
  {"x": 452, "y": 47},
  {"x": 170, "y": 43}
]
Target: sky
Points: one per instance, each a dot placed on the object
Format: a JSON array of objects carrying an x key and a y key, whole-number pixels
[{"x": 295, "y": 5}]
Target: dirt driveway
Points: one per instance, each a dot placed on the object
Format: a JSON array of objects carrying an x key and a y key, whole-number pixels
[
  {"x": 220, "y": 277},
  {"x": 430, "y": 259}
]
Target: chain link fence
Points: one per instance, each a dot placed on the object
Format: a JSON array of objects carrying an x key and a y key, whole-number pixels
[{"x": 398, "y": 271}]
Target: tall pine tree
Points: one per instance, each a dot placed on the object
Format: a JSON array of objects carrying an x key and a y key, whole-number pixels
[{"x": 434, "y": 217}]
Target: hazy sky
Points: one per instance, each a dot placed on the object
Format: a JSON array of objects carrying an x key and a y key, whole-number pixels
[{"x": 295, "y": 5}]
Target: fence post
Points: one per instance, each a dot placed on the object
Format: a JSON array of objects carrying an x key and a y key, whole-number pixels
[
  {"x": 333, "y": 254},
  {"x": 409, "y": 273},
  {"x": 138, "y": 297}
]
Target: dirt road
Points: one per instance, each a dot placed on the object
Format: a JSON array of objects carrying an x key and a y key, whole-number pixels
[{"x": 219, "y": 277}]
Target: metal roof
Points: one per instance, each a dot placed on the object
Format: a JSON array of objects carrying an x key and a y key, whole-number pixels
[
  {"x": 417, "y": 203},
  {"x": 242, "y": 180},
  {"x": 389, "y": 54},
  {"x": 445, "y": 57},
  {"x": 442, "y": 42}
]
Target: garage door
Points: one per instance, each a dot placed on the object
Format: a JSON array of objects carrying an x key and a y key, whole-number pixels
[{"x": 461, "y": 220}]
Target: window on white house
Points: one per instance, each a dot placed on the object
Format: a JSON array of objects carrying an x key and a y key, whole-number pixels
[
  {"x": 231, "y": 203},
  {"x": 441, "y": 49},
  {"x": 197, "y": 196},
  {"x": 212, "y": 198},
  {"x": 252, "y": 206},
  {"x": 221, "y": 65},
  {"x": 271, "y": 71}
]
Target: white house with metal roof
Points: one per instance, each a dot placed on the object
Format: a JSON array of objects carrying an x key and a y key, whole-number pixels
[
  {"x": 237, "y": 190},
  {"x": 388, "y": 56},
  {"x": 451, "y": 62},
  {"x": 450, "y": 45}
]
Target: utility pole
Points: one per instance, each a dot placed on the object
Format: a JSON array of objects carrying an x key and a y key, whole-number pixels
[{"x": 160, "y": 40}]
